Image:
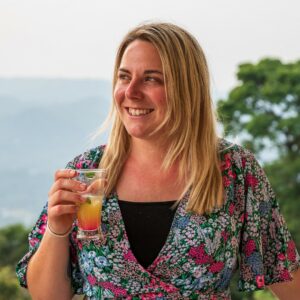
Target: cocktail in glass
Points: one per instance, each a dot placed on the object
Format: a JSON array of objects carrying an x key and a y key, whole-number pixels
[{"x": 89, "y": 213}]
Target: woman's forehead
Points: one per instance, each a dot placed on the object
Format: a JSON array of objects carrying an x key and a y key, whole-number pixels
[{"x": 143, "y": 54}]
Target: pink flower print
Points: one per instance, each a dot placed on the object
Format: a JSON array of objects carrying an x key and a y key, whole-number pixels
[
  {"x": 148, "y": 296},
  {"x": 169, "y": 288},
  {"x": 44, "y": 218},
  {"x": 76, "y": 241},
  {"x": 79, "y": 165},
  {"x": 260, "y": 281},
  {"x": 33, "y": 242},
  {"x": 74, "y": 235},
  {"x": 244, "y": 217},
  {"x": 251, "y": 180},
  {"x": 225, "y": 235},
  {"x": 249, "y": 247},
  {"x": 153, "y": 281},
  {"x": 226, "y": 163},
  {"x": 42, "y": 229},
  {"x": 226, "y": 181},
  {"x": 119, "y": 292},
  {"x": 216, "y": 267},
  {"x": 291, "y": 253},
  {"x": 285, "y": 275},
  {"x": 281, "y": 256},
  {"x": 129, "y": 256},
  {"x": 231, "y": 208},
  {"x": 198, "y": 253},
  {"x": 79, "y": 244},
  {"x": 91, "y": 279},
  {"x": 231, "y": 174},
  {"x": 243, "y": 163}
]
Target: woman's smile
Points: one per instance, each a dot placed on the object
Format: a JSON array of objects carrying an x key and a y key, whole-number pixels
[{"x": 138, "y": 112}]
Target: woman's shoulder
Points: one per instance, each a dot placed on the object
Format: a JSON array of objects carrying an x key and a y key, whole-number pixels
[
  {"x": 235, "y": 153},
  {"x": 89, "y": 159}
]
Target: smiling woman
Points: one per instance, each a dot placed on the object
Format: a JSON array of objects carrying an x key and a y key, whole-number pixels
[{"x": 184, "y": 208}]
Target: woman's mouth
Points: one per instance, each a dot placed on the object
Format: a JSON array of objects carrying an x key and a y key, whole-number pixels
[{"x": 138, "y": 111}]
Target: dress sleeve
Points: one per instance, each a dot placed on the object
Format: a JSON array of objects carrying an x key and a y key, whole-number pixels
[
  {"x": 35, "y": 238},
  {"x": 267, "y": 252}
]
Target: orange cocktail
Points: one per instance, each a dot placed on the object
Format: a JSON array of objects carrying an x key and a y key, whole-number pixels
[{"x": 89, "y": 212}]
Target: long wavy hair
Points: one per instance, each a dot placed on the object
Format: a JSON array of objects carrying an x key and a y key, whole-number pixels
[{"x": 190, "y": 117}]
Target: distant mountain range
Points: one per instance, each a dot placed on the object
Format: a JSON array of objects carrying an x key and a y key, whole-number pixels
[{"x": 44, "y": 123}]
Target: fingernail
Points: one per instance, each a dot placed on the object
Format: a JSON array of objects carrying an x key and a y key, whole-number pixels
[
  {"x": 83, "y": 186},
  {"x": 72, "y": 172}
]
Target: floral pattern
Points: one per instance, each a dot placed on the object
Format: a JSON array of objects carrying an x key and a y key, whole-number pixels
[{"x": 201, "y": 253}]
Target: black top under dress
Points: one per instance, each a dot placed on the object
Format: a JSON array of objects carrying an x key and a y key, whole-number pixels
[{"x": 147, "y": 226}]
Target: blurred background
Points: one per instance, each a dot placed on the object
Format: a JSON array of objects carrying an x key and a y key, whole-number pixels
[{"x": 56, "y": 62}]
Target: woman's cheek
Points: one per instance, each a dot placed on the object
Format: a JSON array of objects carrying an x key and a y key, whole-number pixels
[{"x": 119, "y": 94}]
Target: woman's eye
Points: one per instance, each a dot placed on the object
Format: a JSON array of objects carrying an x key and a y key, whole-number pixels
[
  {"x": 124, "y": 77},
  {"x": 151, "y": 79}
]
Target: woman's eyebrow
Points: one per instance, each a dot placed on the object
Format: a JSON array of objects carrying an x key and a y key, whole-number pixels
[
  {"x": 123, "y": 70},
  {"x": 153, "y": 71},
  {"x": 146, "y": 72}
]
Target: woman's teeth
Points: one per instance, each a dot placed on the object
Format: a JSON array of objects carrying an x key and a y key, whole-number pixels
[{"x": 139, "y": 112}]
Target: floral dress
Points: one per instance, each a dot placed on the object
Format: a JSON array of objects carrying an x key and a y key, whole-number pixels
[{"x": 201, "y": 252}]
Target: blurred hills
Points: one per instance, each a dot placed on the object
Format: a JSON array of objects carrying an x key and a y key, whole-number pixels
[{"x": 44, "y": 123}]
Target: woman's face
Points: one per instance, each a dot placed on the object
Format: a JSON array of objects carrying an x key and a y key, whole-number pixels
[{"x": 139, "y": 93}]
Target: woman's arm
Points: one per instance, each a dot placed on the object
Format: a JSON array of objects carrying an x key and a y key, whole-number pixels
[
  {"x": 47, "y": 273},
  {"x": 288, "y": 290}
]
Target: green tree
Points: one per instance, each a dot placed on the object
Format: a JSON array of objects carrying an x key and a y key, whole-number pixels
[
  {"x": 13, "y": 245},
  {"x": 265, "y": 106},
  {"x": 263, "y": 110},
  {"x": 9, "y": 285}
]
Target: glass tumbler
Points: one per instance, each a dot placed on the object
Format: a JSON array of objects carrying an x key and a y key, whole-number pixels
[{"x": 89, "y": 213}]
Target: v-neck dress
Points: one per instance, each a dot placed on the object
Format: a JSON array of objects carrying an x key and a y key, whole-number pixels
[{"x": 201, "y": 252}]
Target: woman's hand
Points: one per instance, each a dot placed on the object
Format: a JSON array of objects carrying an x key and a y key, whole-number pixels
[{"x": 63, "y": 200}]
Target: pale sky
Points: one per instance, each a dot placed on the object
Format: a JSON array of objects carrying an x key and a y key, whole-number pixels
[{"x": 78, "y": 39}]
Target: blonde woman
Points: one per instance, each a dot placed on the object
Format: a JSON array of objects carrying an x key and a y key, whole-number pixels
[{"x": 184, "y": 209}]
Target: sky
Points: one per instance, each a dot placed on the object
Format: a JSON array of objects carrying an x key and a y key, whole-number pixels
[{"x": 78, "y": 39}]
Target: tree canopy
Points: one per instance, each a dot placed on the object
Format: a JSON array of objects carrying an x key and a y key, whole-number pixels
[{"x": 265, "y": 105}]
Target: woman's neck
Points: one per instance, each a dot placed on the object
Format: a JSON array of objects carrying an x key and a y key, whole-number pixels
[{"x": 144, "y": 152}]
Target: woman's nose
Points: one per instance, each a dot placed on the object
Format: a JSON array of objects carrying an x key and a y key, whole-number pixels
[{"x": 134, "y": 90}]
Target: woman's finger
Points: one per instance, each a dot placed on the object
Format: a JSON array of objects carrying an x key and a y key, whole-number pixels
[
  {"x": 62, "y": 196},
  {"x": 64, "y": 173},
  {"x": 67, "y": 184},
  {"x": 59, "y": 210}
]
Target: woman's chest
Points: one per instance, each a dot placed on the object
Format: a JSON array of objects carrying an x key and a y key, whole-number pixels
[
  {"x": 144, "y": 185},
  {"x": 199, "y": 255}
]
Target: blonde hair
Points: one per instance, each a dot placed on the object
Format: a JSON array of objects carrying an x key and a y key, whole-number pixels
[{"x": 190, "y": 117}]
